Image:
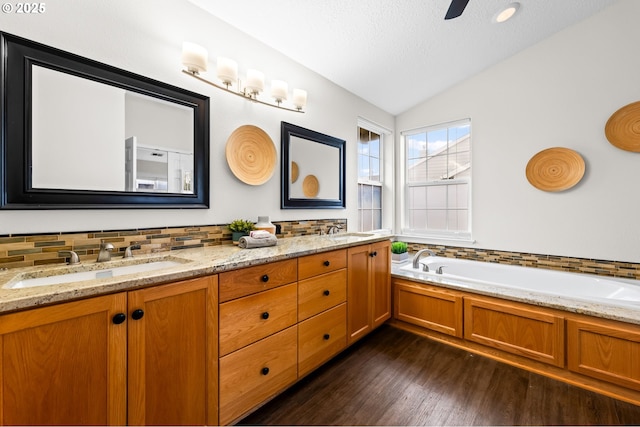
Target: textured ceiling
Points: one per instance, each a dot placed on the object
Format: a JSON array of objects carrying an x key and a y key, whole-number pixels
[{"x": 397, "y": 53}]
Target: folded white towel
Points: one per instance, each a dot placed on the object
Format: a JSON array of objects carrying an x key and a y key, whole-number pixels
[
  {"x": 260, "y": 234},
  {"x": 248, "y": 242}
]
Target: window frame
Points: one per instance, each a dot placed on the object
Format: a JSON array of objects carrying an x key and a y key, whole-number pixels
[
  {"x": 368, "y": 182},
  {"x": 456, "y": 235}
]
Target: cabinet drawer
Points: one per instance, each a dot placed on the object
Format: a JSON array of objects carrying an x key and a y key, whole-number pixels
[
  {"x": 255, "y": 373},
  {"x": 321, "y": 337},
  {"x": 312, "y": 265},
  {"x": 320, "y": 293},
  {"x": 251, "y": 318},
  {"x": 605, "y": 350},
  {"x": 435, "y": 309},
  {"x": 515, "y": 328},
  {"x": 247, "y": 281}
]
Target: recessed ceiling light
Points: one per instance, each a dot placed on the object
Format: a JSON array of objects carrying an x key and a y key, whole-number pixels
[{"x": 506, "y": 13}]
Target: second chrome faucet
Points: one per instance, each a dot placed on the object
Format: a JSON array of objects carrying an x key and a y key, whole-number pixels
[{"x": 105, "y": 251}]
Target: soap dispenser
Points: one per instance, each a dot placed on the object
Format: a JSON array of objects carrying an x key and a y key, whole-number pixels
[{"x": 265, "y": 224}]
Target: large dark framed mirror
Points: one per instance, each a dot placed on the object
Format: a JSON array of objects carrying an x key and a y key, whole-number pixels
[
  {"x": 313, "y": 169},
  {"x": 77, "y": 133}
]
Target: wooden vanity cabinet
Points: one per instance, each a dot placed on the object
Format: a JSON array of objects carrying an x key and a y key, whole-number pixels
[
  {"x": 605, "y": 350},
  {"x": 151, "y": 352},
  {"x": 368, "y": 288},
  {"x": 65, "y": 364}
]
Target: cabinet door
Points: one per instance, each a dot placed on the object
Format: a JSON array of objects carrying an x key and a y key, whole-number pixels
[
  {"x": 381, "y": 286},
  {"x": 535, "y": 333},
  {"x": 173, "y": 354},
  {"x": 65, "y": 364},
  {"x": 432, "y": 308},
  {"x": 359, "y": 295},
  {"x": 605, "y": 350}
]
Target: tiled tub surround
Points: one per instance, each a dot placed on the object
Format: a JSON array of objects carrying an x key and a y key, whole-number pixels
[
  {"x": 193, "y": 262},
  {"x": 627, "y": 270},
  {"x": 34, "y": 250}
]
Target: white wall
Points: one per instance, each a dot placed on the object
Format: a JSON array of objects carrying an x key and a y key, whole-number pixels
[
  {"x": 145, "y": 37},
  {"x": 559, "y": 92}
]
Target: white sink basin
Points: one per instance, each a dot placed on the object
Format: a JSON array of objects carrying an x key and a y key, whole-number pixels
[{"x": 91, "y": 275}]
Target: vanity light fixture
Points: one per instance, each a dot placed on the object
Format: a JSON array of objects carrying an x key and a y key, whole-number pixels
[
  {"x": 506, "y": 13},
  {"x": 195, "y": 57}
]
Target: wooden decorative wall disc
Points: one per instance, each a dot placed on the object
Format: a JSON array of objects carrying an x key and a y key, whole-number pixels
[
  {"x": 251, "y": 155},
  {"x": 310, "y": 186},
  {"x": 295, "y": 172},
  {"x": 555, "y": 169},
  {"x": 623, "y": 128}
]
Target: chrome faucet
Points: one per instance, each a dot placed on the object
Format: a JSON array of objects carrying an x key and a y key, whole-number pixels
[
  {"x": 416, "y": 257},
  {"x": 127, "y": 251},
  {"x": 73, "y": 257},
  {"x": 333, "y": 229},
  {"x": 439, "y": 270},
  {"x": 105, "y": 251}
]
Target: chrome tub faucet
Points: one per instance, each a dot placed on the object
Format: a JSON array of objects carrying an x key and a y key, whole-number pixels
[{"x": 416, "y": 257}]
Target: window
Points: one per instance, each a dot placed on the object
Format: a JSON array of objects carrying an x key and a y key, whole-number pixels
[
  {"x": 369, "y": 180},
  {"x": 438, "y": 180}
]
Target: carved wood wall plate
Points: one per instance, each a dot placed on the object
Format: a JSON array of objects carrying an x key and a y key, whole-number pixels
[
  {"x": 623, "y": 128},
  {"x": 555, "y": 169},
  {"x": 251, "y": 155}
]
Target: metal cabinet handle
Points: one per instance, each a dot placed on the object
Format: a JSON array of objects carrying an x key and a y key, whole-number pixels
[
  {"x": 265, "y": 371},
  {"x": 265, "y": 278},
  {"x": 137, "y": 314},
  {"x": 119, "y": 318},
  {"x": 326, "y": 293},
  {"x": 265, "y": 315}
]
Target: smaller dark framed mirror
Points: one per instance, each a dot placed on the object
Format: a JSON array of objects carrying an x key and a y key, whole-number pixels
[
  {"x": 313, "y": 169},
  {"x": 81, "y": 134}
]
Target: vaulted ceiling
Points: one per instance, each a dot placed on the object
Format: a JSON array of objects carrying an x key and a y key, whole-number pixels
[{"x": 398, "y": 53}]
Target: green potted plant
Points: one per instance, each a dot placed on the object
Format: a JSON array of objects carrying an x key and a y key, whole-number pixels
[
  {"x": 399, "y": 251},
  {"x": 239, "y": 228}
]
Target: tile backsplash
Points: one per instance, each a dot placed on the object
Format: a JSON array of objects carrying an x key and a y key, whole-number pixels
[{"x": 41, "y": 249}]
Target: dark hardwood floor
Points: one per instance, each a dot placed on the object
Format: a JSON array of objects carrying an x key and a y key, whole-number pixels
[{"x": 393, "y": 377}]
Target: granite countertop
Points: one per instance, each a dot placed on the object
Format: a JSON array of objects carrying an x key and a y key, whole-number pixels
[
  {"x": 627, "y": 314},
  {"x": 191, "y": 263}
]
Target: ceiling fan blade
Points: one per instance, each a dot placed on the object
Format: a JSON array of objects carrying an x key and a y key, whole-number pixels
[{"x": 456, "y": 8}]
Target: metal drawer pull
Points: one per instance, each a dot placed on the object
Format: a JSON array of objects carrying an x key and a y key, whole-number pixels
[
  {"x": 265, "y": 315},
  {"x": 326, "y": 336},
  {"x": 265, "y": 278},
  {"x": 265, "y": 371},
  {"x": 326, "y": 293},
  {"x": 327, "y": 263}
]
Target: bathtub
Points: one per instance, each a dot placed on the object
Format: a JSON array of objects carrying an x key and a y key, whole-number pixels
[{"x": 476, "y": 274}]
